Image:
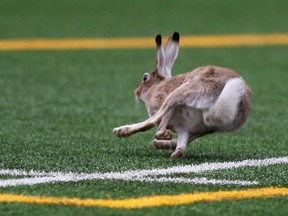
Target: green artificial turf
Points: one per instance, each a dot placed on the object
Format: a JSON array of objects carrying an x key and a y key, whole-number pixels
[
  {"x": 96, "y": 18},
  {"x": 58, "y": 108}
]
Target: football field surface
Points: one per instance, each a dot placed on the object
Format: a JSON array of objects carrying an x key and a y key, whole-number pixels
[{"x": 68, "y": 71}]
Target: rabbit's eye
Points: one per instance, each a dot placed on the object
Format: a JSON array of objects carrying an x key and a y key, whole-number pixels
[{"x": 146, "y": 77}]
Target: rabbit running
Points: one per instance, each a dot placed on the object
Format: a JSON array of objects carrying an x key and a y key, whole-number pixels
[{"x": 206, "y": 100}]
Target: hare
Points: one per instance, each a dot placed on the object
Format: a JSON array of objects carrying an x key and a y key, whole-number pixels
[{"x": 206, "y": 100}]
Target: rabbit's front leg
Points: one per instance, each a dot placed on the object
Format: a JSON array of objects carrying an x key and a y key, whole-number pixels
[
  {"x": 163, "y": 116},
  {"x": 128, "y": 130}
]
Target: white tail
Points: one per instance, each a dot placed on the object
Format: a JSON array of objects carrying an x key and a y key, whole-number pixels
[{"x": 224, "y": 111}]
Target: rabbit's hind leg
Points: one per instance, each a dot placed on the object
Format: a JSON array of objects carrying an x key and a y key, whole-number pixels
[
  {"x": 182, "y": 142},
  {"x": 165, "y": 144}
]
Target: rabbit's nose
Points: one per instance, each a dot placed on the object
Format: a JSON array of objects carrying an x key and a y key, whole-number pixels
[{"x": 137, "y": 92}]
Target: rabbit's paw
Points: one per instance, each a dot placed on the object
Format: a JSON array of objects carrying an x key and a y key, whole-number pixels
[
  {"x": 164, "y": 135},
  {"x": 122, "y": 131},
  {"x": 164, "y": 144},
  {"x": 178, "y": 153}
]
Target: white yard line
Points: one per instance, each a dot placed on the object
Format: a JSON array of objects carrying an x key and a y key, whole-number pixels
[
  {"x": 19, "y": 172},
  {"x": 211, "y": 166},
  {"x": 41, "y": 180},
  {"x": 200, "y": 181},
  {"x": 36, "y": 177}
]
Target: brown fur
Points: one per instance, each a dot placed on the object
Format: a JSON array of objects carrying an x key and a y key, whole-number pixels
[
  {"x": 158, "y": 90},
  {"x": 207, "y": 77}
]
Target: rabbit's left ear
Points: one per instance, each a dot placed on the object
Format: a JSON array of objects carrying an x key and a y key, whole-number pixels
[
  {"x": 171, "y": 52},
  {"x": 160, "y": 61}
]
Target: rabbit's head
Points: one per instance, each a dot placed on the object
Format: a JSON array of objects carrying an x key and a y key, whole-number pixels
[{"x": 166, "y": 57}]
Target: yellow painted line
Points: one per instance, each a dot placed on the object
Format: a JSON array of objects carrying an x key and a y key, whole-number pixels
[
  {"x": 153, "y": 201},
  {"x": 145, "y": 42}
]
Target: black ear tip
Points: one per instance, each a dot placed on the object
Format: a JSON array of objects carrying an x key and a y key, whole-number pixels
[
  {"x": 176, "y": 36},
  {"x": 158, "y": 40}
]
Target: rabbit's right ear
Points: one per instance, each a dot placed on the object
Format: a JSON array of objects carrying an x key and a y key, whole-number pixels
[
  {"x": 160, "y": 61},
  {"x": 171, "y": 51}
]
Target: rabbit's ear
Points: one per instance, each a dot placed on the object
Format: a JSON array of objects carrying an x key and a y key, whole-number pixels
[
  {"x": 171, "y": 51},
  {"x": 160, "y": 61}
]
